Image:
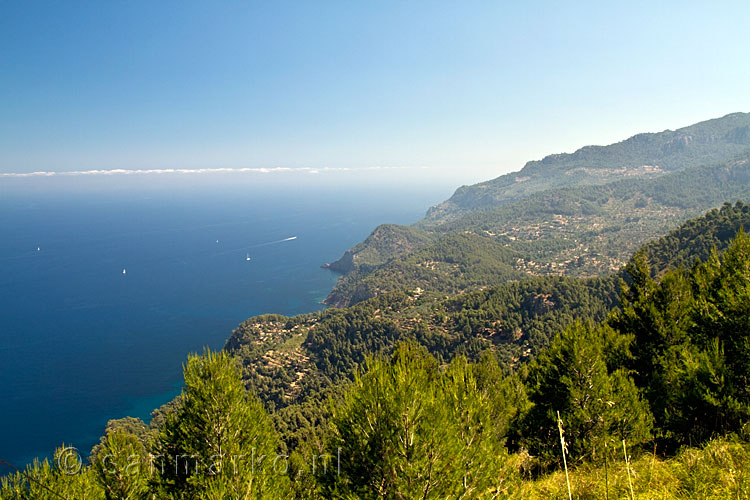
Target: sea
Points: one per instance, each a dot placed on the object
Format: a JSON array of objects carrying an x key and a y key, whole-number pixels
[{"x": 105, "y": 287}]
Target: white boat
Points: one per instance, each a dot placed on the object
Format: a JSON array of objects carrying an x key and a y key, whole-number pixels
[
  {"x": 247, "y": 257},
  {"x": 124, "y": 271}
]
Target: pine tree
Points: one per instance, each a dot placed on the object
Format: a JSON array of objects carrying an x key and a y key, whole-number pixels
[
  {"x": 657, "y": 315},
  {"x": 722, "y": 333},
  {"x": 219, "y": 443},
  {"x": 692, "y": 344},
  {"x": 65, "y": 477},
  {"x": 408, "y": 430},
  {"x": 597, "y": 404},
  {"x": 122, "y": 466}
]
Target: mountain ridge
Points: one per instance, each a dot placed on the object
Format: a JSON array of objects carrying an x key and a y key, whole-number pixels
[{"x": 642, "y": 155}]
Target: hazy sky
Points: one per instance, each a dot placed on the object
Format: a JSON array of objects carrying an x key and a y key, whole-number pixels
[{"x": 470, "y": 89}]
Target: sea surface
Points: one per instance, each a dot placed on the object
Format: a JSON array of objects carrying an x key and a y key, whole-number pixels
[{"x": 82, "y": 342}]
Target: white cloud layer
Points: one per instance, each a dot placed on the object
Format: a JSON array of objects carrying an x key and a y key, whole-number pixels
[{"x": 122, "y": 171}]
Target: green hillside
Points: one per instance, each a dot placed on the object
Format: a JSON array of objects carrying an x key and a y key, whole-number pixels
[
  {"x": 697, "y": 238},
  {"x": 385, "y": 241},
  {"x": 289, "y": 359},
  {"x": 450, "y": 264},
  {"x": 584, "y": 231},
  {"x": 296, "y": 361}
]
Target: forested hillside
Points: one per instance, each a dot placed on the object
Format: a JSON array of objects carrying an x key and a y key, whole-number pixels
[
  {"x": 451, "y": 264},
  {"x": 582, "y": 231},
  {"x": 697, "y": 238},
  {"x": 293, "y": 360},
  {"x": 289, "y": 359},
  {"x": 380, "y": 246}
]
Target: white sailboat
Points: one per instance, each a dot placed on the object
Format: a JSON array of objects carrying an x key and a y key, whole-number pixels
[
  {"x": 124, "y": 271},
  {"x": 247, "y": 257}
]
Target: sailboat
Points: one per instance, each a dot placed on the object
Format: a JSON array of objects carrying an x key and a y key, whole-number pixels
[
  {"x": 124, "y": 271},
  {"x": 247, "y": 257}
]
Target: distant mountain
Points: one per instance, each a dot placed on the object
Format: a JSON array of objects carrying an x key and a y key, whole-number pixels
[
  {"x": 642, "y": 156},
  {"x": 582, "y": 214}
]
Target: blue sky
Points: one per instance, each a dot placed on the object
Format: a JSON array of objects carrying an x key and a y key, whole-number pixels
[{"x": 470, "y": 89}]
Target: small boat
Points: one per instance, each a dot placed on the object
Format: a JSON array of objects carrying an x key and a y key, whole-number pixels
[
  {"x": 247, "y": 257},
  {"x": 124, "y": 271}
]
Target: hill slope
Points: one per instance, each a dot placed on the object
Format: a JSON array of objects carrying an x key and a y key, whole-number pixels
[
  {"x": 294, "y": 364},
  {"x": 641, "y": 156},
  {"x": 385, "y": 241},
  {"x": 583, "y": 231},
  {"x": 697, "y": 238}
]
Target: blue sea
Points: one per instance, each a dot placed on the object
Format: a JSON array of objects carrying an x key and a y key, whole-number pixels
[{"x": 81, "y": 342}]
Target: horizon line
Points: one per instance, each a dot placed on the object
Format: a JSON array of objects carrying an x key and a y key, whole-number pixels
[{"x": 219, "y": 170}]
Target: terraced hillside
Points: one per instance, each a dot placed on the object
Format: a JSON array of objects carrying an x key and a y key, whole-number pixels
[
  {"x": 579, "y": 225},
  {"x": 296, "y": 363}
]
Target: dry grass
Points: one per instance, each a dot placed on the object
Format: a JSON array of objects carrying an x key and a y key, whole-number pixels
[{"x": 719, "y": 470}]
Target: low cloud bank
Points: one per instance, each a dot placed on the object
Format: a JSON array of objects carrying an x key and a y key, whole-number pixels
[{"x": 122, "y": 171}]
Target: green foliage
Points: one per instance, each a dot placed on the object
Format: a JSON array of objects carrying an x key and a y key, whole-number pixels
[
  {"x": 527, "y": 314},
  {"x": 296, "y": 364},
  {"x": 408, "y": 429},
  {"x": 692, "y": 334},
  {"x": 121, "y": 464},
  {"x": 220, "y": 442},
  {"x": 453, "y": 263},
  {"x": 579, "y": 377},
  {"x": 65, "y": 477},
  {"x": 145, "y": 434},
  {"x": 507, "y": 396},
  {"x": 721, "y": 330}
]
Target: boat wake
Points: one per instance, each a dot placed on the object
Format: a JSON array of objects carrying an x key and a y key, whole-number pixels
[
  {"x": 274, "y": 242},
  {"x": 232, "y": 250}
]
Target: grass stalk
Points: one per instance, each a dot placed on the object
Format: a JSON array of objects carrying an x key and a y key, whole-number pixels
[
  {"x": 627, "y": 469},
  {"x": 564, "y": 451},
  {"x": 606, "y": 472}
]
